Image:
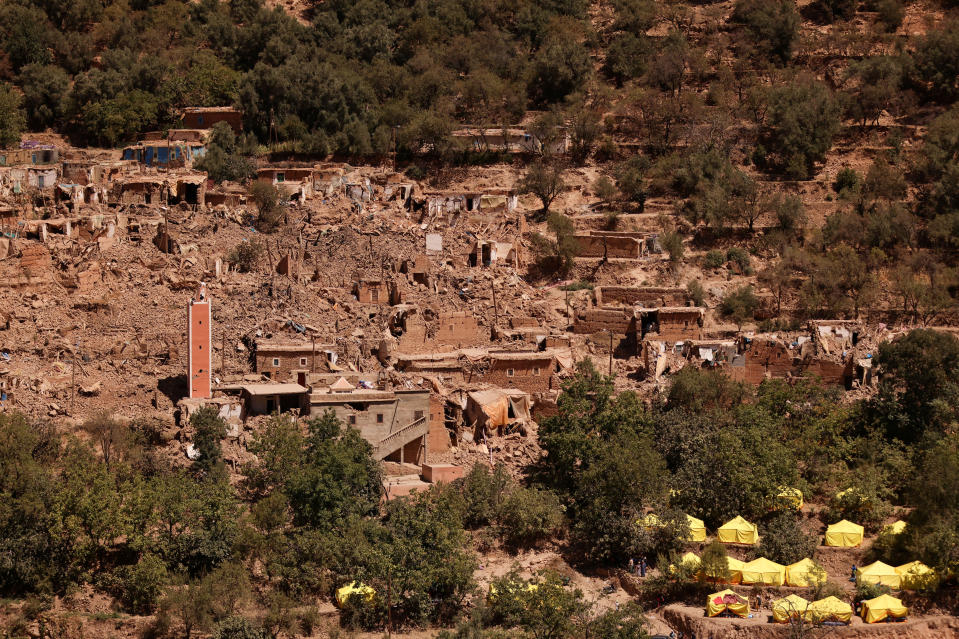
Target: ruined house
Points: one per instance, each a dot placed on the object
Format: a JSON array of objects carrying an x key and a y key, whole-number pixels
[
  {"x": 510, "y": 140},
  {"x": 531, "y": 372},
  {"x": 30, "y": 153},
  {"x": 206, "y": 117},
  {"x": 671, "y": 323},
  {"x": 372, "y": 291},
  {"x": 646, "y": 296},
  {"x": 295, "y": 182},
  {"x": 496, "y": 410},
  {"x": 291, "y": 361},
  {"x": 487, "y": 253}
]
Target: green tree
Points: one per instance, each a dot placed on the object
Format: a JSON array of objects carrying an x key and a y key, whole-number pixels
[
  {"x": 921, "y": 379},
  {"x": 739, "y": 305},
  {"x": 545, "y": 181},
  {"x": 12, "y": 119},
  {"x": 801, "y": 120},
  {"x": 208, "y": 430},
  {"x": 561, "y": 67},
  {"x": 772, "y": 28},
  {"x": 45, "y": 89},
  {"x": 714, "y": 563},
  {"x": 936, "y": 63},
  {"x": 555, "y": 257},
  {"x": 624, "y": 622},
  {"x": 782, "y": 540},
  {"x": 221, "y": 160},
  {"x": 337, "y": 478}
]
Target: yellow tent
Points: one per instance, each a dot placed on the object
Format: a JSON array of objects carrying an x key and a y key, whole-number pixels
[
  {"x": 353, "y": 588},
  {"x": 790, "y": 497},
  {"x": 697, "y": 529},
  {"x": 738, "y": 531},
  {"x": 895, "y": 528},
  {"x": 875, "y": 610},
  {"x": 915, "y": 575},
  {"x": 788, "y": 607},
  {"x": 830, "y": 609},
  {"x": 735, "y": 569},
  {"x": 690, "y": 559},
  {"x": 800, "y": 574},
  {"x": 844, "y": 534},
  {"x": 879, "y": 573},
  {"x": 651, "y": 521},
  {"x": 719, "y": 602},
  {"x": 765, "y": 572}
]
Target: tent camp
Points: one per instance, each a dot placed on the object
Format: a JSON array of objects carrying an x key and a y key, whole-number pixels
[
  {"x": 895, "y": 528},
  {"x": 726, "y": 601},
  {"x": 765, "y": 572},
  {"x": 844, "y": 534},
  {"x": 915, "y": 575},
  {"x": 697, "y": 529},
  {"x": 803, "y": 573},
  {"x": 830, "y": 609},
  {"x": 879, "y": 573},
  {"x": 352, "y": 589},
  {"x": 789, "y": 498},
  {"x": 883, "y": 607},
  {"x": 738, "y": 531},
  {"x": 790, "y": 606}
]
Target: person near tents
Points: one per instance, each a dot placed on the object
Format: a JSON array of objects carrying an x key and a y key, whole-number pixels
[
  {"x": 631, "y": 564},
  {"x": 642, "y": 566},
  {"x": 853, "y": 577}
]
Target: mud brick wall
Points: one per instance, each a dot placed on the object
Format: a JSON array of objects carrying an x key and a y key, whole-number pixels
[
  {"x": 531, "y": 376},
  {"x": 596, "y": 246},
  {"x": 643, "y": 295},
  {"x": 458, "y": 329},
  {"x": 596, "y": 320}
]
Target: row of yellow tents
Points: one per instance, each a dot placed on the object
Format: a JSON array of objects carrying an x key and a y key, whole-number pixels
[
  {"x": 764, "y": 572},
  {"x": 842, "y": 534},
  {"x": 911, "y": 576},
  {"x": 805, "y": 573},
  {"x": 735, "y": 531},
  {"x": 791, "y": 606}
]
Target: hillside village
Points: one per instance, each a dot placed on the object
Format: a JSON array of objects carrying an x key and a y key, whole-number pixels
[{"x": 535, "y": 320}]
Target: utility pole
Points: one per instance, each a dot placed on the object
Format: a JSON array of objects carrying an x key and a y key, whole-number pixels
[
  {"x": 611, "y": 353},
  {"x": 73, "y": 379},
  {"x": 495, "y": 308}
]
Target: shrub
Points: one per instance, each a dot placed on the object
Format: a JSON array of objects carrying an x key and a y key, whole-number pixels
[
  {"x": 714, "y": 259},
  {"x": 528, "y": 516},
  {"x": 783, "y": 541},
  {"x": 740, "y": 258},
  {"x": 713, "y": 564},
  {"x": 245, "y": 255},
  {"x": 696, "y": 292},
  {"x": 890, "y": 14},
  {"x": 739, "y": 305},
  {"x": 673, "y": 244},
  {"x": 267, "y": 200},
  {"x": 139, "y": 587},
  {"x": 237, "y": 627},
  {"x": 846, "y": 180}
]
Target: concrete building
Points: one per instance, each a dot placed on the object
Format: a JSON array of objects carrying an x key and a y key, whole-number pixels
[
  {"x": 395, "y": 422},
  {"x": 199, "y": 351}
]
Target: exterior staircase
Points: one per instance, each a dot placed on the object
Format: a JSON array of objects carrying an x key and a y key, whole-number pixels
[{"x": 401, "y": 437}]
